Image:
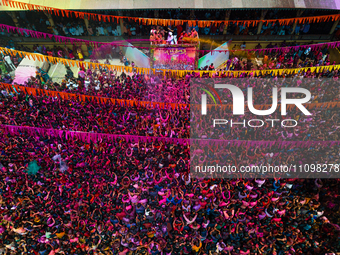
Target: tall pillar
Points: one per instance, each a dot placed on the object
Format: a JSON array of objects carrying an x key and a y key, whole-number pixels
[
  {"x": 227, "y": 16},
  {"x": 50, "y": 19},
  {"x": 298, "y": 14},
  {"x": 334, "y": 26},
  {"x": 86, "y": 21},
  {"x": 156, "y": 13},
  {"x": 191, "y": 17},
  {"x": 14, "y": 18},
  {"x": 192, "y": 14},
  {"x": 263, "y": 14},
  {"x": 121, "y": 24}
]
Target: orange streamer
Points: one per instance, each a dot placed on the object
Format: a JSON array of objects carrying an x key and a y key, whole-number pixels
[
  {"x": 164, "y": 22},
  {"x": 162, "y": 105}
]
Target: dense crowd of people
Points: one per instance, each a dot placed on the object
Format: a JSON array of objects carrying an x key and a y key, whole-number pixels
[
  {"x": 161, "y": 207},
  {"x": 91, "y": 117},
  {"x": 272, "y": 59},
  {"x": 114, "y": 197},
  {"x": 238, "y": 60},
  {"x": 104, "y": 83},
  {"x": 158, "y": 35},
  {"x": 72, "y": 26},
  {"x": 153, "y": 121},
  {"x": 246, "y": 60},
  {"x": 61, "y": 194}
]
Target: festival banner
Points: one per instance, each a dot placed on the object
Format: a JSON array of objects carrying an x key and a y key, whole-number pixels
[
  {"x": 135, "y": 55},
  {"x": 217, "y": 56},
  {"x": 165, "y": 22},
  {"x": 174, "y": 58}
]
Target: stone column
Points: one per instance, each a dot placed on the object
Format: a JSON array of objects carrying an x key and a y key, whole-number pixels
[
  {"x": 334, "y": 26},
  {"x": 227, "y": 16},
  {"x": 14, "y": 18},
  {"x": 192, "y": 15},
  {"x": 86, "y": 21},
  {"x": 121, "y": 23},
  {"x": 50, "y": 19},
  {"x": 263, "y": 14},
  {"x": 298, "y": 14}
]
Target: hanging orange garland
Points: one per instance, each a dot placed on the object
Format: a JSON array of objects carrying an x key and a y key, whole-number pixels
[
  {"x": 178, "y": 73},
  {"x": 165, "y": 22}
]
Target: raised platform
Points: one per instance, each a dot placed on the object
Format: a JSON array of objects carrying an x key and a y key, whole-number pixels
[{"x": 174, "y": 56}]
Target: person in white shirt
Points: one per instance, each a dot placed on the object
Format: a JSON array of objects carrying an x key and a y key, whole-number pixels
[
  {"x": 70, "y": 84},
  {"x": 77, "y": 31},
  {"x": 101, "y": 30},
  {"x": 73, "y": 31},
  {"x": 98, "y": 31},
  {"x": 65, "y": 29},
  {"x": 55, "y": 31},
  {"x": 153, "y": 30},
  {"x": 106, "y": 33},
  {"x": 133, "y": 30},
  {"x": 114, "y": 32},
  {"x": 243, "y": 46},
  {"x": 170, "y": 39},
  {"x": 87, "y": 83},
  {"x": 81, "y": 30},
  {"x": 119, "y": 30},
  {"x": 9, "y": 62},
  {"x": 109, "y": 29},
  {"x": 97, "y": 82}
]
